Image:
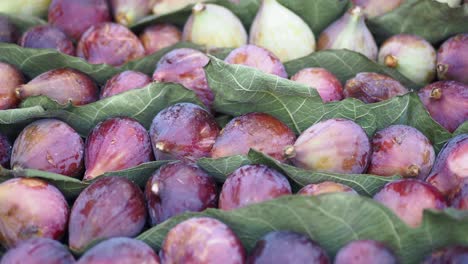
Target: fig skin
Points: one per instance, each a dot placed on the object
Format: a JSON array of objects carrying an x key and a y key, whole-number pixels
[
  {"x": 63, "y": 86},
  {"x": 189, "y": 242},
  {"x": 115, "y": 199},
  {"x": 162, "y": 7},
  {"x": 371, "y": 87},
  {"x": 258, "y": 131},
  {"x": 401, "y": 150},
  {"x": 334, "y": 145},
  {"x": 40, "y": 211},
  {"x": 10, "y": 78},
  {"x": 160, "y": 36},
  {"x": 280, "y": 247},
  {"x": 5, "y": 151},
  {"x": 183, "y": 131},
  {"x": 453, "y": 254},
  {"x": 109, "y": 43},
  {"x": 327, "y": 85},
  {"x": 375, "y": 8},
  {"x": 177, "y": 188},
  {"x": 252, "y": 184},
  {"x": 8, "y": 31},
  {"x": 325, "y": 187},
  {"x": 127, "y": 12},
  {"x": 47, "y": 37},
  {"x": 49, "y": 145},
  {"x": 446, "y": 102},
  {"x": 452, "y": 59},
  {"x": 460, "y": 197},
  {"x": 25, "y": 8},
  {"x": 124, "y": 81},
  {"x": 38, "y": 251},
  {"x": 365, "y": 252}
]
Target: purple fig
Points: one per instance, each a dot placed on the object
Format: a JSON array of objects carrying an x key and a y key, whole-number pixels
[
  {"x": 325, "y": 187},
  {"x": 459, "y": 199},
  {"x": 49, "y": 145},
  {"x": 8, "y": 31},
  {"x": 127, "y": 12},
  {"x": 31, "y": 208},
  {"x": 47, "y": 37},
  {"x": 160, "y": 36},
  {"x": 10, "y": 78},
  {"x": 375, "y": 8},
  {"x": 5, "y": 151},
  {"x": 371, "y": 87},
  {"x": 327, "y": 85},
  {"x": 452, "y": 255},
  {"x": 452, "y": 59},
  {"x": 365, "y": 252},
  {"x": 39, "y": 251},
  {"x": 124, "y": 81}
]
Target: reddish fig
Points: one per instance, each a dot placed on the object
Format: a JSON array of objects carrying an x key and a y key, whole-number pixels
[
  {"x": 460, "y": 197},
  {"x": 39, "y": 251},
  {"x": 365, "y": 252},
  {"x": 5, "y": 151},
  {"x": 10, "y": 78},
  {"x": 371, "y": 87},
  {"x": 325, "y": 187},
  {"x": 328, "y": 86},
  {"x": 449, "y": 255},
  {"x": 127, "y": 12},
  {"x": 8, "y": 31},
  {"x": 452, "y": 59},
  {"x": 375, "y": 8},
  {"x": 124, "y": 81},
  {"x": 157, "y": 37},
  {"x": 47, "y": 37}
]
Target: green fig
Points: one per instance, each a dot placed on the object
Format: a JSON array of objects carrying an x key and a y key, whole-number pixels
[
  {"x": 162, "y": 7},
  {"x": 127, "y": 12},
  {"x": 25, "y": 7}
]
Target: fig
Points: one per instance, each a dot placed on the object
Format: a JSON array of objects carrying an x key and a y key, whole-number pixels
[
  {"x": 31, "y": 208},
  {"x": 452, "y": 3},
  {"x": 459, "y": 200},
  {"x": 334, "y": 145},
  {"x": 26, "y": 8},
  {"x": 453, "y": 254},
  {"x": 124, "y": 81},
  {"x": 446, "y": 102},
  {"x": 327, "y": 85},
  {"x": 371, "y": 87},
  {"x": 160, "y": 36},
  {"x": 280, "y": 247},
  {"x": 365, "y": 252},
  {"x": 110, "y": 207},
  {"x": 202, "y": 240},
  {"x": 183, "y": 131},
  {"x": 349, "y": 32},
  {"x": 251, "y": 184},
  {"x": 8, "y": 31},
  {"x": 452, "y": 59},
  {"x": 162, "y": 7},
  {"x": 214, "y": 26},
  {"x": 375, "y": 8},
  {"x": 75, "y": 17},
  {"x": 408, "y": 198},
  {"x": 5, "y": 151},
  {"x": 109, "y": 43},
  {"x": 411, "y": 55},
  {"x": 401, "y": 150},
  {"x": 281, "y": 31},
  {"x": 61, "y": 85},
  {"x": 38, "y": 251},
  {"x": 127, "y": 12},
  {"x": 10, "y": 78},
  {"x": 49, "y": 145},
  {"x": 325, "y": 187},
  {"x": 258, "y": 131},
  {"x": 47, "y": 37},
  {"x": 257, "y": 57},
  {"x": 177, "y": 188}
]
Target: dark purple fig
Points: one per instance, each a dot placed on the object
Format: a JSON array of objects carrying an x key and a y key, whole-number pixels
[
  {"x": 109, "y": 207},
  {"x": 31, "y": 208},
  {"x": 185, "y": 66},
  {"x": 38, "y": 251},
  {"x": 202, "y": 240},
  {"x": 401, "y": 150},
  {"x": 127, "y": 12},
  {"x": 49, "y": 145},
  {"x": 408, "y": 198},
  {"x": 157, "y": 37},
  {"x": 252, "y": 184},
  {"x": 5, "y": 151},
  {"x": 325, "y": 187},
  {"x": 365, "y": 252},
  {"x": 75, "y": 17},
  {"x": 446, "y": 102},
  {"x": 281, "y": 247},
  {"x": 10, "y": 78},
  {"x": 124, "y": 81},
  {"x": 62, "y": 85},
  {"x": 177, "y": 188},
  {"x": 8, "y": 31},
  {"x": 120, "y": 250},
  {"x": 183, "y": 131},
  {"x": 258, "y": 131},
  {"x": 335, "y": 145},
  {"x": 459, "y": 200},
  {"x": 109, "y": 43},
  {"x": 371, "y": 87},
  {"x": 328, "y": 86},
  {"x": 449, "y": 255},
  {"x": 375, "y": 8},
  {"x": 47, "y": 37},
  {"x": 452, "y": 59}
]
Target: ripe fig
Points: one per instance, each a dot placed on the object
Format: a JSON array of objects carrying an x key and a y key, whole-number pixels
[
  {"x": 183, "y": 131},
  {"x": 325, "y": 187},
  {"x": 127, "y": 12},
  {"x": 281, "y": 31},
  {"x": 202, "y": 240},
  {"x": 75, "y": 17},
  {"x": 159, "y": 36},
  {"x": 459, "y": 200},
  {"x": 39, "y": 251},
  {"x": 49, "y": 145},
  {"x": 109, "y": 43},
  {"x": 26, "y": 8},
  {"x": 8, "y": 31},
  {"x": 326, "y": 84},
  {"x": 10, "y": 78},
  {"x": 177, "y": 188},
  {"x": 408, "y": 198},
  {"x": 335, "y": 145},
  {"x": 446, "y": 102},
  {"x": 349, "y": 32},
  {"x": 411, "y": 55},
  {"x": 252, "y": 184},
  {"x": 5, "y": 151},
  {"x": 280, "y": 247},
  {"x": 454, "y": 254},
  {"x": 162, "y": 7},
  {"x": 453, "y": 3},
  {"x": 124, "y": 81},
  {"x": 365, "y": 252},
  {"x": 371, "y": 87},
  {"x": 31, "y": 208},
  {"x": 375, "y": 8},
  {"x": 258, "y": 131},
  {"x": 109, "y": 207},
  {"x": 47, "y": 37},
  {"x": 452, "y": 59},
  {"x": 214, "y": 26}
]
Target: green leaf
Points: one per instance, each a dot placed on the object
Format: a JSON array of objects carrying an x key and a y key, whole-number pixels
[
  {"x": 222, "y": 167},
  {"x": 23, "y": 23},
  {"x": 223, "y": 120},
  {"x": 462, "y": 129}
]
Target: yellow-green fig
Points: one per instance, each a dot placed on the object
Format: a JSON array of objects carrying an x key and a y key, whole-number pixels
[
  {"x": 25, "y": 7},
  {"x": 162, "y": 7}
]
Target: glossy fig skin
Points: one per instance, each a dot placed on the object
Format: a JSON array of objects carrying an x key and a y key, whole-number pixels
[
  {"x": 325, "y": 187},
  {"x": 446, "y": 102},
  {"x": 38, "y": 251},
  {"x": 159, "y": 36},
  {"x": 452, "y": 59},
  {"x": 453, "y": 254},
  {"x": 252, "y": 184},
  {"x": 188, "y": 242},
  {"x": 10, "y": 78},
  {"x": 287, "y": 247},
  {"x": 47, "y": 37},
  {"x": 8, "y": 31},
  {"x": 127, "y": 12},
  {"x": 365, "y": 252},
  {"x": 375, "y": 8},
  {"x": 258, "y": 131},
  {"x": 5, "y": 151},
  {"x": 115, "y": 199},
  {"x": 371, "y": 87},
  {"x": 21, "y": 217},
  {"x": 49, "y": 145},
  {"x": 124, "y": 81},
  {"x": 327, "y": 85}
]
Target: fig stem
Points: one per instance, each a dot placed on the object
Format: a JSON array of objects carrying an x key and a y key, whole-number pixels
[
  {"x": 199, "y": 7},
  {"x": 356, "y": 11},
  {"x": 391, "y": 61},
  {"x": 436, "y": 93},
  {"x": 289, "y": 152},
  {"x": 442, "y": 70},
  {"x": 413, "y": 170}
]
